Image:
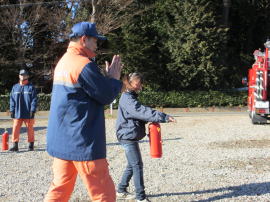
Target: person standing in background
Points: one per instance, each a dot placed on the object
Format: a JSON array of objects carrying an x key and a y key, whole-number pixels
[{"x": 23, "y": 104}]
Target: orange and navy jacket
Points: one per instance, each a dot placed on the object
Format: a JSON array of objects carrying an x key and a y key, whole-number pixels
[
  {"x": 76, "y": 128},
  {"x": 23, "y": 100}
]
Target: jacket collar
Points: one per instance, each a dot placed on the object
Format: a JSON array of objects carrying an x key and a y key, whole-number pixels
[
  {"x": 132, "y": 93},
  {"x": 23, "y": 83},
  {"x": 80, "y": 50}
]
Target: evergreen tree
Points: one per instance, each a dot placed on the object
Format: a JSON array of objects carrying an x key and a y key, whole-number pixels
[
  {"x": 249, "y": 30},
  {"x": 178, "y": 45},
  {"x": 196, "y": 43}
]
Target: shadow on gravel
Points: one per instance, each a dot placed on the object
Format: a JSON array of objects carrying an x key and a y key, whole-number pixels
[
  {"x": 254, "y": 189},
  {"x": 22, "y": 151},
  {"x": 143, "y": 141},
  {"x": 23, "y": 129},
  {"x": 4, "y": 153},
  {"x": 37, "y": 148},
  {"x": 2, "y": 130},
  {"x": 264, "y": 143},
  {"x": 40, "y": 149},
  {"x": 9, "y": 152}
]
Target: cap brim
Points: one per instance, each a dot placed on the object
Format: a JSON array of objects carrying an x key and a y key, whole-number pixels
[{"x": 100, "y": 37}]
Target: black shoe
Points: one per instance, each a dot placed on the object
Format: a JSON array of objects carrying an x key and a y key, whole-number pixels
[
  {"x": 15, "y": 147},
  {"x": 31, "y": 146}
]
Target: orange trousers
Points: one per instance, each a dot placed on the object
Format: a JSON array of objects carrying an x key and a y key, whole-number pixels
[
  {"x": 17, "y": 124},
  {"x": 94, "y": 174}
]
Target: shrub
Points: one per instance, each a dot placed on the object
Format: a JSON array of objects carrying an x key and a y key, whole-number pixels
[
  {"x": 44, "y": 101},
  {"x": 193, "y": 98}
]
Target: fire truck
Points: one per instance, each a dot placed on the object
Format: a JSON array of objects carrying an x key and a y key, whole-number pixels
[{"x": 258, "y": 86}]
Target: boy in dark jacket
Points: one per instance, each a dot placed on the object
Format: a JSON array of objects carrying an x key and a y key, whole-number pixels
[
  {"x": 23, "y": 103},
  {"x": 130, "y": 128}
]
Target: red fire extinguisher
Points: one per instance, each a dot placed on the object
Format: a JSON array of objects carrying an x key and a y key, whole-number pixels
[
  {"x": 5, "y": 137},
  {"x": 155, "y": 140}
]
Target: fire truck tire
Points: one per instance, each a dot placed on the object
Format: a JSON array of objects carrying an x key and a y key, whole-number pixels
[
  {"x": 249, "y": 114},
  {"x": 257, "y": 119},
  {"x": 254, "y": 122}
]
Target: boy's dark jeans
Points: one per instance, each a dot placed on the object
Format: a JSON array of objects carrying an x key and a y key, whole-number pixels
[{"x": 134, "y": 168}]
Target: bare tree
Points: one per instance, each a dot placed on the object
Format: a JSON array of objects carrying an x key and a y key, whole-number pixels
[
  {"x": 34, "y": 35},
  {"x": 24, "y": 24},
  {"x": 112, "y": 14},
  {"x": 93, "y": 11}
]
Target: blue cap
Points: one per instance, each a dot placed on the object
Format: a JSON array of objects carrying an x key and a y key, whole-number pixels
[
  {"x": 23, "y": 72},
  {"x": 85, "y": 29}
]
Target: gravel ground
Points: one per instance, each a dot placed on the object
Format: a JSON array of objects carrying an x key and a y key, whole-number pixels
[{"x": 205, "y": 158}]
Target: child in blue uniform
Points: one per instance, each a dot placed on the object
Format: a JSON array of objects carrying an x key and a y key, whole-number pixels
[{"x": 130, "y": 128}]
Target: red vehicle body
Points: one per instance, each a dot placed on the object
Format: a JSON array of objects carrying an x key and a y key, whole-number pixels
[{"x": 258, "y": 86}]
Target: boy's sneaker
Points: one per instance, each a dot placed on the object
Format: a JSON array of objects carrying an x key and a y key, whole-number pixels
[
  {"x": 125, "y": 195},
  {"x": 144, "y": 200}
]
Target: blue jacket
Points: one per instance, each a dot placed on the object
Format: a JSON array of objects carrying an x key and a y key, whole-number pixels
[
  {"x": 23, "y": 100},
  {"x": 76, "y": 128},
  {"x": 132, "y": 117}
]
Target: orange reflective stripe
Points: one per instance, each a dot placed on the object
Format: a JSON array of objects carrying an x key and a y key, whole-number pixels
[{"x": 69, "y": 68}]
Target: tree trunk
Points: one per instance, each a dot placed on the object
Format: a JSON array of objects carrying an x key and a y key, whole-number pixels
[
  {"x": 226, "y": 12},
  {"x": 93, "y": 11}
]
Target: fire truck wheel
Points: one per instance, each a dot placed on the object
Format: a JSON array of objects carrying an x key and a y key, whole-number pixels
[
  {"x": 254, "y": 119},
  {"x": 250, "y": 116},
  {"x": 257, "y": 119}
]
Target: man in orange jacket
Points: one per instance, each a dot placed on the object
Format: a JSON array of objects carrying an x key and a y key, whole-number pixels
[{"x": 76, "y": 130}]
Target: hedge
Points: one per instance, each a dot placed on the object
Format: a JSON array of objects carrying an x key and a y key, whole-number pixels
[
  {"x": 179, "y": 99},
  {"x": 184, "y": 99},
  {"x": 44, "y": 101}
]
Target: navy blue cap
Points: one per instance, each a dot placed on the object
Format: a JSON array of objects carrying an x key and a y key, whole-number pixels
[
  {"x": 23, "y": 72},
  {"x": 85, "y": 29}
]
